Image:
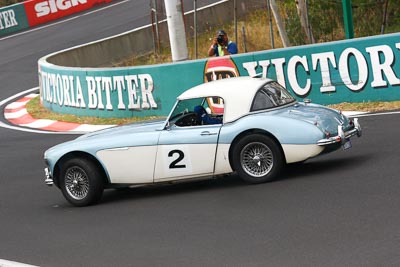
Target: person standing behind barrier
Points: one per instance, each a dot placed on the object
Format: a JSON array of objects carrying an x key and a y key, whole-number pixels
[{"x": 221, "y": 45}]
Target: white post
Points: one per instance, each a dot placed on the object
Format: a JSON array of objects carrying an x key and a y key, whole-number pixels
[
  {"x": 195, "y": 28},
  {"x": 302, "y": 11},
  {"x": 279, "y": 23},
  {"x": 176, "y": 30}
]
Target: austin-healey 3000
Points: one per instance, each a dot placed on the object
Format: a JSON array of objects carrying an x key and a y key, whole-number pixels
[{"x": 250, "y": 126}]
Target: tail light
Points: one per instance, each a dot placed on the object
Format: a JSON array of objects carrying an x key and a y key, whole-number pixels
[{"x": 327, "y": 134}]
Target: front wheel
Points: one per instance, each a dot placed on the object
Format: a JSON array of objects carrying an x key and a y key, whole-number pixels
[
  {"x": 81, "y": 182},
  {"x": 257, "y": 158}
]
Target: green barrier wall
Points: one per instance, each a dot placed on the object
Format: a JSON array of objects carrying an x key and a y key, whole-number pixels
[
  {"x": 357, "y": 70},
  {"x": 12, "y": 19}
]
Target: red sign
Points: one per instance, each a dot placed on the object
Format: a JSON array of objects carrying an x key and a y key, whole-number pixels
[{"x": 42, "y": 11}]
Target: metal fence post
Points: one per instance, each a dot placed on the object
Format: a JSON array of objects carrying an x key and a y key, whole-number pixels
[
  {"x": 271, "y": 28},
  {"x": 348, "y": 19},
  {"x": 195, "y": 28}
]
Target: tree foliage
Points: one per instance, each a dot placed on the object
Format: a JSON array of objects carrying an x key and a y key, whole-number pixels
[
  {"x": 9, "y": 2},
  {"x": 326, "y": 19}
]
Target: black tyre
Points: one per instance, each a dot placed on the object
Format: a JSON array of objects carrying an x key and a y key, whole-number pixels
[
  {"x": 257, "y": 158},
  {"x": 81, "y": 182}
]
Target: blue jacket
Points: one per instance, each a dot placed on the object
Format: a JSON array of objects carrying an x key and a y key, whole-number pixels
[
  {"x": 204, "y": 117},
  {"x": 232, "y": 48}
]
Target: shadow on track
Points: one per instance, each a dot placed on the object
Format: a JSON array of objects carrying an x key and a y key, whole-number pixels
[
  {"x": 304, "y": 170},
  {"x": 167, "y": 189},
  {"x": 321, "y": 167}
]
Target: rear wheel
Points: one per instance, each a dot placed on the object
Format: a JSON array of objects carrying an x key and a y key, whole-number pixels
[
  {"x": 257, "y": 158},
  {"x": 82, "y": 183}
]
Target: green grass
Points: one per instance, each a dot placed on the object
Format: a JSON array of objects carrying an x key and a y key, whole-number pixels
[
  {"x": 38, "y": 112},
  {"x": 9, "y": 2},
  {"x": 367, "y": 106}
]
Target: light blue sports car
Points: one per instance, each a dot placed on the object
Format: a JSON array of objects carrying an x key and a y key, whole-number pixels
[{"x": 251, "y": 126}]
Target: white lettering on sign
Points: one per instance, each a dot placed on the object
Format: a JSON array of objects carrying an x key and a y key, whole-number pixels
[
  {"x": 7, "y": 19},
  {"x": 324, "y": 59},
  {"x": 362, "y": 69},
  {"x": 53, "y": 6},
  {"x": 292, "y": 72},
  {"x": 379, "y": 68},
  {"x": 278, "y": 63},
  {"x": 133, "y": 91},
  {"x": 334, "y": 69}
]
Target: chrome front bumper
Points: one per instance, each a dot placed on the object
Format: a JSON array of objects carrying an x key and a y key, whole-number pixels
[
  {"x": 49, "y": 179},
  {"x": 342, "y": 135}
]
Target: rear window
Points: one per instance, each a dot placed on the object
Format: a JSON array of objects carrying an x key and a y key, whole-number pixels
[{"x": 271, "y": 95}]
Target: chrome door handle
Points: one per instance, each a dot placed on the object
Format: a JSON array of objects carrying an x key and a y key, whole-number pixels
[
  {"x": 117, "y": 149},
  {"x": 207, "y": 133}
]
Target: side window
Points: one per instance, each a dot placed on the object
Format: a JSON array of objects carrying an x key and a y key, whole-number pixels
[
  {"x": 214, "y": 105},
  {"x": 211, "y": 111},
  {"x": 261, "y": 101},
  {"x": 198, "y": 111},
  {"x": 271, "y": 95}
]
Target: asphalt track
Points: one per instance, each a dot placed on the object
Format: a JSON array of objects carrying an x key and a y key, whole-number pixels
[{"x": 337, "y": 210}]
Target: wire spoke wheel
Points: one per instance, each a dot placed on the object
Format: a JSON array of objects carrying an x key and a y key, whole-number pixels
[
  {"x": 77, "y": 183},
  {"x": 257, "y": 159},
  {"x": 82, "y": 181}
]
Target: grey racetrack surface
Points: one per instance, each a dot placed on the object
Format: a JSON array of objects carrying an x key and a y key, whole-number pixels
[{"x": 341, "y": 209}]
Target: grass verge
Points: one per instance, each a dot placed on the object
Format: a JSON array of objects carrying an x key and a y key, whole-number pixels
[
  {"x": 38, "y": 112},
  {"x": 367, "y": 106}
]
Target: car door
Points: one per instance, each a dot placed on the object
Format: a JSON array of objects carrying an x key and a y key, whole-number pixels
[
  {"x": 186, "y": 152},
  {"x": 130, "y": 159}
]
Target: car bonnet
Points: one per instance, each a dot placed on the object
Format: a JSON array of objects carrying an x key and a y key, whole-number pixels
[{"x": 137, "y": 127}]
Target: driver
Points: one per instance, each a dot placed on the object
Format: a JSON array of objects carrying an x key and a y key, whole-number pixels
[{"x": 204, "y": 117}]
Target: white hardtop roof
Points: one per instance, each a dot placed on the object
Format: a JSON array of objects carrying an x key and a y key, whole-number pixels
[{"x": 237, "y": 93}]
